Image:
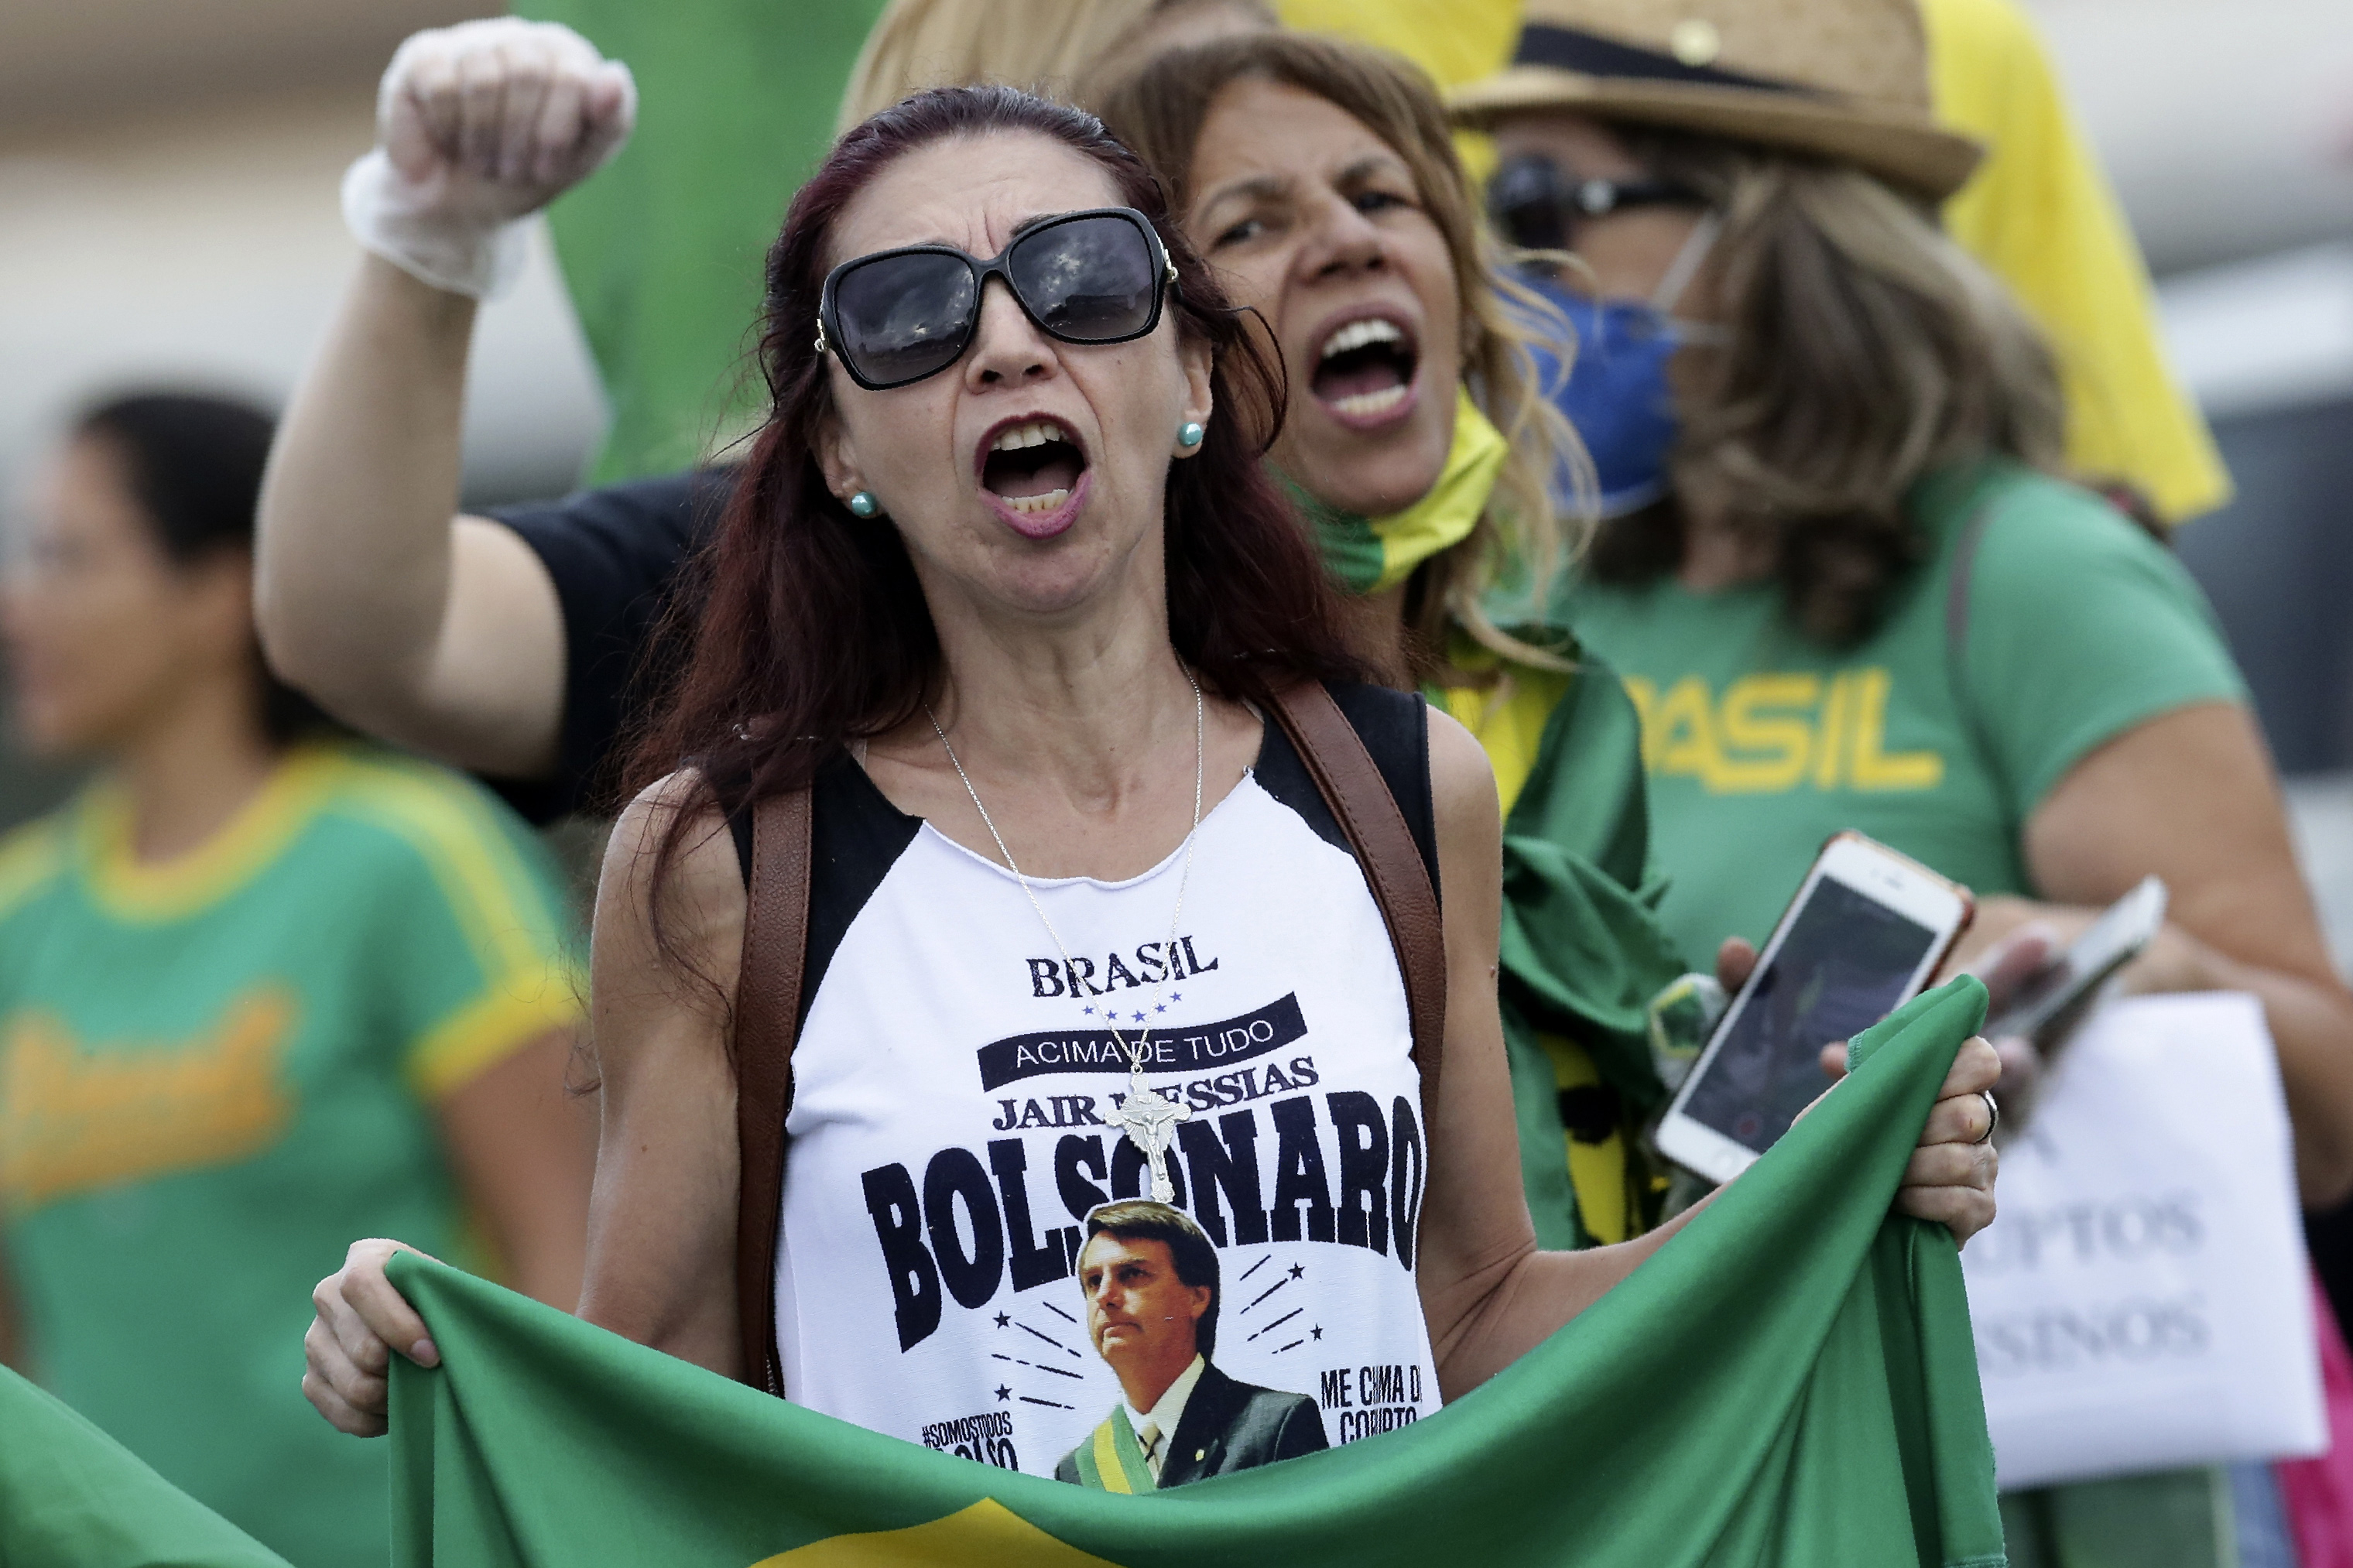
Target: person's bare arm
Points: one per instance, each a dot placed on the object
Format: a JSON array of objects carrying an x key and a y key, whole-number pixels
[
  {"x": 661, "y": 1213},
  {"x": 1489, "y": 1295},
  {"x": 2190, "y": 796},
  {"x": 525, "y": 1152},
  {"x": 439, "y": 632},
  {"x": 661, "y": 1226}
]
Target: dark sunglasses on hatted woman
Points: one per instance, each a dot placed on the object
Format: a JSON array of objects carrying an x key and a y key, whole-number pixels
[
  {"x": 897, "y": 316},
  {"x": 1535, "y": 203}
]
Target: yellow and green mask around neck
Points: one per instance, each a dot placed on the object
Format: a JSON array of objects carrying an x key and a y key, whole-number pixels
[{"x": 1368, "y": 554}]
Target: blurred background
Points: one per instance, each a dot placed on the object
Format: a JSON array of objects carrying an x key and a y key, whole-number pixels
[
  {"x": 168, "y": 174},
  {"x": 168, "y": 215}
]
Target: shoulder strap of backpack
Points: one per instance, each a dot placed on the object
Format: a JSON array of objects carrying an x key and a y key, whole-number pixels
[
  {"x": 768, "y": 1023},
  {"x": 1957, "y": 588},
  {"x": 1352, "y": 785},
  {"x": 1963, "y": 573}
]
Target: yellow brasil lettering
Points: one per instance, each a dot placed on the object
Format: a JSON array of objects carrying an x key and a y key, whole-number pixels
[
  {"x": 1770, "y": 733},
  {"x": 72, "y": 1120}
]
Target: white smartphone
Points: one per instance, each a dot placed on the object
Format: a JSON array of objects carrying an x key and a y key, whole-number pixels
[
  {"x": 2057, "y": 997},
  {"x": 2060, "y": 986},
  {"x": 1866, "y": 931}
]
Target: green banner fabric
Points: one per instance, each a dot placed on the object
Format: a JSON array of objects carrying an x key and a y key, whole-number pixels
[
  {"x": 1583, "y": 952},
  {"x": 72, "y": 1496},
  {"x": 663, "y": 249},
  {"x": 1790, "y": 1382}
]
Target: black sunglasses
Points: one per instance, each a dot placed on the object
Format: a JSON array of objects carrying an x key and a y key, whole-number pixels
[
  {"x": 1534, "y": 202},
  {"x": 897, "y": 316}
]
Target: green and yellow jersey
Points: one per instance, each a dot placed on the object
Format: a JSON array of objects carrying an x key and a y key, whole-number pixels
[
  {"x": 1938, "y": 739},
  {"x": 218, "y": 1071}
]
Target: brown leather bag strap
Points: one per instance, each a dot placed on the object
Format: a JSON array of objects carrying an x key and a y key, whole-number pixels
[
  {"x": 768, "y": 1023},
  {"x": 1352, "y": 785}
]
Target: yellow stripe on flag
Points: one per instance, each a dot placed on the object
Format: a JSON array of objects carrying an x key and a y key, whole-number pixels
[{"x": 986, "y": 1535}]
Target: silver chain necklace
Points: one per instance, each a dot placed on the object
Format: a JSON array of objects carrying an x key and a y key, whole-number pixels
[{"x": 1148, "y": 1117}]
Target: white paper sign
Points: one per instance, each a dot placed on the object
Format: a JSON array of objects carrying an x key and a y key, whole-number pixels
[{"x": 2140, "y": 1302}]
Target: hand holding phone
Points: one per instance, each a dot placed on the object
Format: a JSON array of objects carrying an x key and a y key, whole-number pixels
[
  {"x": 1866, "y": 931},
  {"x": 2051, "y": 1002},
  {"x": 2046, "y": 1001}
]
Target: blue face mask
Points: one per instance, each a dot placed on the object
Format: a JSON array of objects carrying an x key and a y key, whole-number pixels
[{"x": 1617, "y": 396}]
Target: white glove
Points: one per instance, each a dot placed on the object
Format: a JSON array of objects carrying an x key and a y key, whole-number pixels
[{"x": 479, "y": 126}]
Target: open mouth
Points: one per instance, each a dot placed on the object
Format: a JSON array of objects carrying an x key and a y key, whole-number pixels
[
  {"x": 1365, "y": 369},
  {"x": 1032, "y": 468}
]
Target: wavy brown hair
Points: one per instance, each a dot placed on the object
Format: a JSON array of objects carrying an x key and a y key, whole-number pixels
[
  {"x": 1159, "y": 109},
  {"x": 1866, "y": 349},
  {"x": 812, "y": 630}
]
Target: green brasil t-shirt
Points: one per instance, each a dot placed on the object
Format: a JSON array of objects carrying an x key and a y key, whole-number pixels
[
  {"x": 217, "y": 1072},
  {"x": 1761, "y": 742}
]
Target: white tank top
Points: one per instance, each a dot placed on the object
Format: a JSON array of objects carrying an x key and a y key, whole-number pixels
[{"x": 951, "y": 1127}]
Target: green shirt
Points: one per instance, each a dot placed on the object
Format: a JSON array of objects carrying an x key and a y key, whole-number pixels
[
  {"x": 217, "y": 1072},
  {"x": 1761, "y": 742}
]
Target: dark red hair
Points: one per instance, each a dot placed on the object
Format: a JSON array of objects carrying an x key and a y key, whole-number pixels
[{"x": 812, "y": 629}]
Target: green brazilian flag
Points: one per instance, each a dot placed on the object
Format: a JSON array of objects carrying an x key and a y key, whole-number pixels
[
  {"x": 72, "y": 1496},
  {"x": 1790, "y": 1382},
  {"x": 1582, "y": 952}
]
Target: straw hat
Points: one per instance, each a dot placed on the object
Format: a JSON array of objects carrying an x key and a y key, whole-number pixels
[{"x": 1845, "y": 79}]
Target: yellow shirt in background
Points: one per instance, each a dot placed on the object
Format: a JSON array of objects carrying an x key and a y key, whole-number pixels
[
  {"x": 1456, "y": 41},
  {"x": 2040, "y": 214}
]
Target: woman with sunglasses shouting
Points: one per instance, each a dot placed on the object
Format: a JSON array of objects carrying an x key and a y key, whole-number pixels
[
  {"x": 517, "y": 644},
  {"x": 1104, "y": 855}
]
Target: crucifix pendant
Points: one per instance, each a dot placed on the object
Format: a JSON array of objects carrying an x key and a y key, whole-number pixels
[{"x": 1151, "y": 1119}]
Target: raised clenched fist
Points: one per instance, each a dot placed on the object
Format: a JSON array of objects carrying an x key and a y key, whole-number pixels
[{"x": 479, "y": 125}]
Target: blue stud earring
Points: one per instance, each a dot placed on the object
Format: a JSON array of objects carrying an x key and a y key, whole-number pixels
[
  {"x": 1191, "y": 434},
  {"x": 864, "y": 504}
]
